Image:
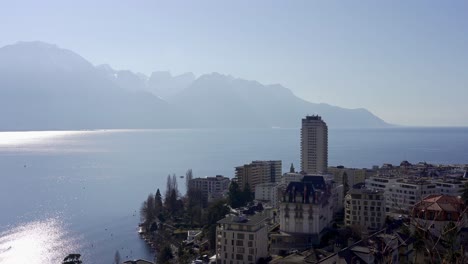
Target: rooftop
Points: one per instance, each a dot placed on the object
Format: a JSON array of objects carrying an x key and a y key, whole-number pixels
[
  {"x": 436, "y": 202},
  {"x": 251, "y": 220}
]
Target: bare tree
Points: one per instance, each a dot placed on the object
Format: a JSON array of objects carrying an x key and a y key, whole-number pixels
[
  {"x": 188, "y": 178},
  {"x": 117, "y": 257}
]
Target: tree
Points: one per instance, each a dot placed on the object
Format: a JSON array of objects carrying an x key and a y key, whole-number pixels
[
  {"x": 188, "y": 178},
  {"x": 464, "y": 193},
  {"x": 172, "y": 193},
  {"x": 117, "y": 257},
  {"x": 165, "y": 254},
  {"x": 216, "y": 212},
  {"x": 291, "y": 169},
  {"x": 158, "y": 205},
  {"x": 234, "y": 195},
  {"x": 247, "y": 195},
  {"x": 147, "y": 210}
]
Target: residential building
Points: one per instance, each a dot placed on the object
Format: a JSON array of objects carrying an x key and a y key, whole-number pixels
[
  {"x": 365, "y": 209},
  {"x": 258, "y": 172},
  {"x": 306, "y": 209},
  {"x": 452, "y": 187},
  {"x": 349, "y": 176},
  {"x": 291, "y": 177},
  {"x": 434, "y": 212},
  {"x": 268, "y": 193},
  {"x": 401, "y": 194},
  {"x": 314, "y": 145},
  {"x": 211, "y": 187},
  {"x": 242, "y": 239},
  {"x": 380, "y": 247}
]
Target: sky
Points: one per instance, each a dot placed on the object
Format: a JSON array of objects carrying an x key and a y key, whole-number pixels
[{"x": 405, "y": 61}]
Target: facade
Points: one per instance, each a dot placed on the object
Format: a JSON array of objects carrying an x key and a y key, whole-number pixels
[
  {"x": 401, "y": 194},
  {"x": 365, "y": 208},
  {"x": 306, "y": 209},
  {"x": 450, "y": 187},
  {"x": 211, "y": 187},
  {"x": 292, "y": 177},
  {"x": 258, "y": 172},
  {"x": 436, "y": 211},
  {"x": 268, "y": 193},
  {"x": 241, "y": 239},
  {"x": 349, "y": 176},
  {"x": 314, "y": 145}
]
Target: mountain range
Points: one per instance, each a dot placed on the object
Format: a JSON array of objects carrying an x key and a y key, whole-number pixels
[{"x": 44, "y": 87}]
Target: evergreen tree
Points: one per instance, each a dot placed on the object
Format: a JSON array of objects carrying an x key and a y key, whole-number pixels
[
  {"x": 291, "y": 169},
  {"x": 158, "y": 205},
  {"x": 234, "y": 195},
  {"x": 247, "y": 195}
]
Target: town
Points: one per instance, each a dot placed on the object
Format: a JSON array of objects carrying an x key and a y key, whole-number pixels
[{"x": 393, "y": 213}]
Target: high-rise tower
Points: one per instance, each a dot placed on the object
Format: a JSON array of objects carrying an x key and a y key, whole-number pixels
[{"x": 314, "y": 145}]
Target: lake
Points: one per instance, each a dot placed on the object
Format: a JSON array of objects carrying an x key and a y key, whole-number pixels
[{"x": 80, "y": 191}]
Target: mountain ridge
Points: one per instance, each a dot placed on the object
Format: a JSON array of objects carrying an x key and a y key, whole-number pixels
[{"x": 43, "y": 86}]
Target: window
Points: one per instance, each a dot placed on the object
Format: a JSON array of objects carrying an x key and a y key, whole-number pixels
[
  {"x": 250, "y": 244},
  {"x": 251, "y": 237},
  {"x": 240, "y": 243},
  {"x": 239, "y": 257},
  {"x": 240, "y": 236},
  {"x": 250, "y": 258}
]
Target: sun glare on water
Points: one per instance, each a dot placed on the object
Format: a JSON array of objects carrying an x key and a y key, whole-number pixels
[
  {"x": 30, "y": 137},
  {"x": 37, "y": 243}
]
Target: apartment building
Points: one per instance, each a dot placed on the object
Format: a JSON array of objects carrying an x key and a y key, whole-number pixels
[
  {"x": 451, "y": 187},
  {"x": 242, "y": 239},
  {"x": 365, "y": 208},
  {"x": 268, "y": 193},
  {"x": 401, "y": 194},
  {"x": 211, "y": 187},
  {"x": 314, "y": 145},
  {"x": 258, "y": 172}
]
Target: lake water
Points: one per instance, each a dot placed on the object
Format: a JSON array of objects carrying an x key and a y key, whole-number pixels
[{"x": 80, "y": 191}]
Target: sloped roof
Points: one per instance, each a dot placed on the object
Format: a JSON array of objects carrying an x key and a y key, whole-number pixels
[{"x": 436, "y": 202}]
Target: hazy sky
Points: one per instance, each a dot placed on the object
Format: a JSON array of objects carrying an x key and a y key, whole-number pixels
[{"x": 406, "y": 61}]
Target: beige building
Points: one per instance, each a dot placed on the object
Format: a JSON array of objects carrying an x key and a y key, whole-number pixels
[
  {"x": 349, "y": 176},
  {"x": 242, "y": 239},
  {"x": 212, "y": 187},
  {"x": 314, "y": 145},
  {"x": 365, "y": 208},
  {"x": 258, "y": 172}
]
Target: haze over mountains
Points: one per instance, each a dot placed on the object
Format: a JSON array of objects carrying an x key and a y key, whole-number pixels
[{"x": 45, "y": 87}]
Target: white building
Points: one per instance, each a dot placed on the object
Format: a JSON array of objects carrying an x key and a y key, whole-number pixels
[
  {"x": 314, "y": 145},
  {"x": 306, "y": 209},
  {"x": 241, "y": 239},
  {"x": 365, "y": 208},
  {"x": 449, "y": 187},
  {"x": 268, "y": 193},
  {"x": 401, "y": 194}
]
